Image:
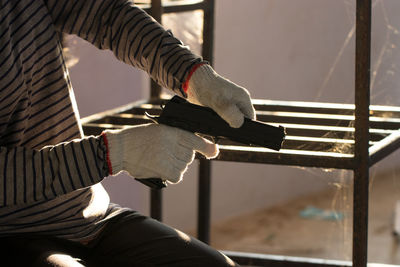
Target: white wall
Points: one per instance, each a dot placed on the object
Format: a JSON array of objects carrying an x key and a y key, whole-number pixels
[{"x": 278, "y": 49}]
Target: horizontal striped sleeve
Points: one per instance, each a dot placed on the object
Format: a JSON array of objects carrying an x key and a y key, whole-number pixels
[
  {"x": 30, "y": 175},
  {"x": 133, "y": 36}
]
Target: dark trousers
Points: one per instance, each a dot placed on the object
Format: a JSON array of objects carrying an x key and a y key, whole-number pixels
[{"x": 130, "y": 239}]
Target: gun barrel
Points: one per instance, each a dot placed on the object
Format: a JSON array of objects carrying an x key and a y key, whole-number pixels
[
  {"x": 258, "y": 134},
  {"x": 197, "y": 119}
]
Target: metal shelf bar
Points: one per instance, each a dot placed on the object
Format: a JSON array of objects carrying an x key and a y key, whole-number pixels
[
  {"x": 174, "y": 6},
  {"x": 256, "y": 259},
  {"x": 319, "y": 144}
]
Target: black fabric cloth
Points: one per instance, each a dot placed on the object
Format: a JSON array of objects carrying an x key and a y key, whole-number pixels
[{"x": 130, "y": 239}]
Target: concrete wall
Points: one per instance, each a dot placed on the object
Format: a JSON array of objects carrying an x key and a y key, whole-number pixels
[{"x": 278, "y": 49}]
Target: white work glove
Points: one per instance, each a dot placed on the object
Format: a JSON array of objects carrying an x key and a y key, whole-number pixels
[
  {"x": 227, "y": 99},
  {"x": 155, "y": 151}
]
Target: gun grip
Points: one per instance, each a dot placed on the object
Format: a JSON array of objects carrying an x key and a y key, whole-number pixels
[{"x": 154, "y": 183}]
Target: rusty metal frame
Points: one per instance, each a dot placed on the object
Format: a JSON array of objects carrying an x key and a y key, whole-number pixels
[
  {"x": 322, "y": 135},
  {"x": 321, "y": 130}
]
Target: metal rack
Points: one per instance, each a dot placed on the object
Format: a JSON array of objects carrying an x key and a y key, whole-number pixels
[{"x": 323, "y": 135}]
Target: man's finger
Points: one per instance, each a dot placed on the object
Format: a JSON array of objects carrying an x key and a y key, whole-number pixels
[
  {"x": 232, "y": 115},
  {"x": 205, "y": 147}
]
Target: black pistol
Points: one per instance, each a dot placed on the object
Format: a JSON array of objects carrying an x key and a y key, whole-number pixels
[{"x": 178, "y": 112}]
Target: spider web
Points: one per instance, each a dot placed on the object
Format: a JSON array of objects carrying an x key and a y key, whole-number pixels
[{"x": 385, "y": 58}]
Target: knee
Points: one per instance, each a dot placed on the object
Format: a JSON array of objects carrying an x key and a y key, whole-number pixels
[
  {"x": 56, "y": 259},
  {"x": 221, "y": 260}
]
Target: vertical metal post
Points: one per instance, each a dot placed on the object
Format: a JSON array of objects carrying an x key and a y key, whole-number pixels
[
  {"x": 156, "y": 204},
  {"x": 204, "y": 201},
  {"x": 156, "y": 11},
  {"x": 155, "y": 90},
  {"x": 204, "y": 190},
  {"x": 361, "y": 156},
  {"x": 208, "y": 31}
]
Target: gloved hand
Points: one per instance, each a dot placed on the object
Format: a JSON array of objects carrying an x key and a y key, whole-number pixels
[
  {"x": 155, "y": 151},
  {"x": 229, "y": 100}
]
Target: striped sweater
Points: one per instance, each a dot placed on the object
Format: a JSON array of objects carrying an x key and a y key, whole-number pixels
[{"x": 49, "y": 174}]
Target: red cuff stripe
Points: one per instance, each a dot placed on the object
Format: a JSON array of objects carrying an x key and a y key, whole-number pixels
[
  {"x": 185, "y": 85},
  {"x": 103, "y": 134}
]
